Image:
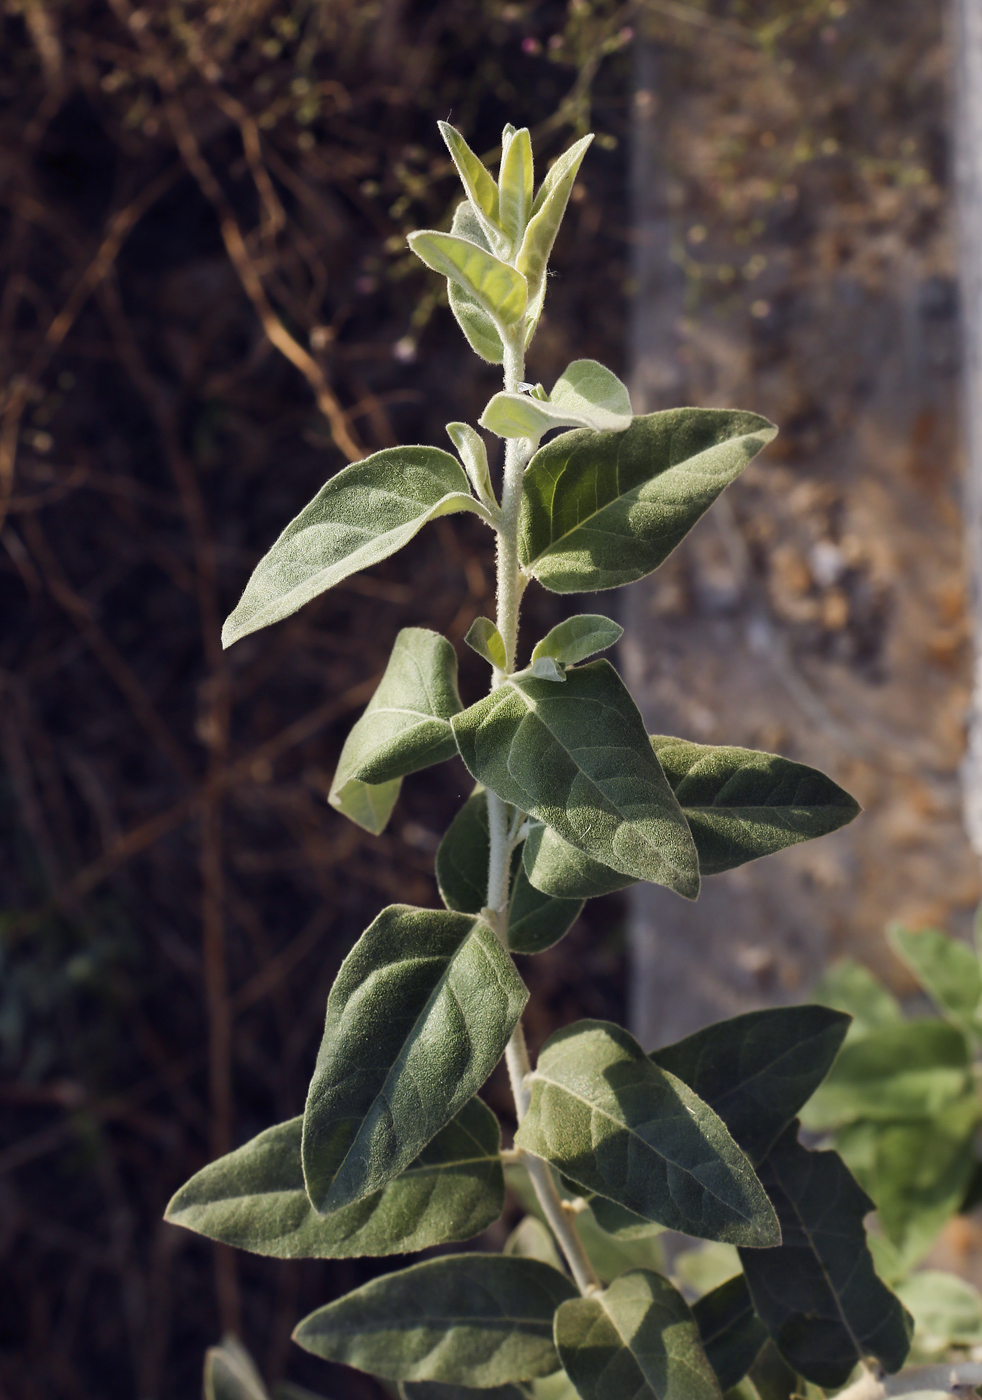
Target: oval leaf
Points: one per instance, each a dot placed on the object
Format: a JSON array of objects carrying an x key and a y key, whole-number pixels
[
  {"x": 577, "y": 758},
  {"x": 578, "y": 638},
  {"x": 363, "y": 514},
  {"x": 498, "y": 289},
  {"x": 254, "y": 1198},
  {"x": 417, "y": 1019},
  {"x": 615, "y": 1123},
  {"x": 586, "y": 396},
  {"x": 732, "y": 1333},
  {"x": 637, "y": 1338},
  {"x": 602, "y": 509},
  {"x": 469, "y": 1319}
]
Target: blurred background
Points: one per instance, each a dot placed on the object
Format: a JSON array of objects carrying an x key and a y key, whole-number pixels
[{"x": 207, "y": 308}]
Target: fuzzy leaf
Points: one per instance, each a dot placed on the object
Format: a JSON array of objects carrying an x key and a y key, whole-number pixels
[
  {"x": 559, "y": 869},
  {"x": 602, "y": 509},
  {"x": 498, "y": 289},
  {"x": 818, "y": 1294},
  {"x": 363, "y": 514},
  {"x": 474, "y": 455},
  {"x": 757, "y": 1070},
  {"x": 417, "y": 1019},
  {"x": 254, "y": 1198},
  {"x": 484, "y": 638},
  {"x": 516, "y": 180},
  {"x": 482, "y": 191},
  {"x": 536, "y": 921},
  {"x": 732, "y": 1333},
  {"x": 480, "y": 330},
  {"x": 406, "y": 724},
  {"x": 577, "y": 758},
  {"x": 368, "y": 805},
  {"x": 587, "y": 395},
  {"x": 615, "y": 1123},
  {"x": 231, "y": 1375},
  {"x": 948, "y": 971},
  {"x": 467, "y": 1319},
  {"x": 578, "y": 638},
  {"x": 638, "y": 1339},
  {"x": 530, "y": 1239},
  {"x": 547, "y": 215}
]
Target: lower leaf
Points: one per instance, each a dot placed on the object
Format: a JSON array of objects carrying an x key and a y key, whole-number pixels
[
  {"x": 231, "y": 1375},
  {"x": 732, "y": 1333}
]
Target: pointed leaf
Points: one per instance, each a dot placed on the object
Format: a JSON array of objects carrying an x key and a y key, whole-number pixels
[
  {"x": 602, "y": 509},
  {"x": 559, "y": 869},
  {"x": 948, "y": 971},
  {"x": 363, "y": 514},
  {"x": 578, "y": 638},
  {"x": 818, "y": 1294},
  {"x": 742, "y": 804},
  {"x": 577, "y": 757},
  {"x": 231, "y": 1375},
  {"x": 547, "y": 214},
  {"x": 757, "y": 1070},
  {"x": 732, "y": 1333},
  {"x": 484, "y": 638},
  {"x": 516, "y": 180},
  {"x": 481, "y": 188},
  {"x": 406, "y": 724},
  {"x": 417, "y": 1019},
  {"x": 848, "y": 987},
  {"x": 474, "y": 455},
  {"x": 498, "y": 289},
  {"x": 586, "y": 396},
  {"x": 638, "y": 1339},
  {"x": 536, "y": 921},
  {"x": 468, "y": 1319},
  {"x": 254, "y": 1198},
  {"x": 614, "y": 1122},
  {"x": 368, "y": 805},
  {"x": 479, "y": 328}
]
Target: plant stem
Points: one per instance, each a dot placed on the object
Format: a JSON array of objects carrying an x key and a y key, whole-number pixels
[{"x": 511, "y": 585}]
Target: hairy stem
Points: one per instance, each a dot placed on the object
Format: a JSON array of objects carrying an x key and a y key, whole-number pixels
[{"x": 501, "y": 821}]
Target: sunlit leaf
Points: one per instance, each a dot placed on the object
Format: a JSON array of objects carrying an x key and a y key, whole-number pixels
[
  {"x": 482, "y": 191},
  {"x": 368, "y": 805},
  {"x": 474, "y": 455},
  {"x": 484, "y": 638},
  {"x": 587, "y": 395},
  {"x": 479, "y": 328},
  {"x": 516, "y": 180},
  {"x": 547, "y": 215},
  {"x": 578, "y": 638},
  {"x": 498, "y": 289},
  {"x": 948, "y": 971}
]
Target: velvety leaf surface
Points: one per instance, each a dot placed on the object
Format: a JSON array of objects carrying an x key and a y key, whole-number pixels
[
  {"x": 254, "y": 1198},
  {"x": 481, "y": 187},
  {"x": 417, "y": 1019},
  {"x": 757, "y": 1070},
  {"x": 474, "y": 455},
  {"x": 617, "y": 1124},
  {"x": 637, "y": 1340},
  {"x": 231, "y": 1375},
  {"x": 909, "y": 1070},
  {"x": 818, "y": 1294},
  {"x": 602, "y": 509},
  {"x": 536, "y": 921},
  {"x": 363, "y": 514},
  {"x": 948, "y": 971},
  {"x": 576, "y": 757},
  {"x": 476, "y": 1320},
  {"x": 516, "y": 182},
  {"x": 742, "y": 804},
  {"x": 498, "y": 289},
  {"x": 578, "y": 638},
  {"x": 557, "y": 868},
  {"x": 368, "y": 805},
  {"x": 484, "y": 638},
  {"x": 586, "y": 395},
  {"x": 480, "y": 330},
  {"x": 547, "y": 215},
  {"x": 732, "y": 1333}
]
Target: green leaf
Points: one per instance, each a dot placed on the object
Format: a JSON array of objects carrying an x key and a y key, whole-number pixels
[
  {"x": 578, "y": 638},
  {"x": 495, "y": 286},
  {"x": 638, "y": 1339},
  {"x": 405, "y": 726},
  {"x": 417, "y": 1019},
  {"x": 742, "y": 804},
  {"x": 577, "y": 758},
  {"x": 757, "y": 1070},
  {"x": 559, "y": 869},
  {"x": 363, "y": 514},
  {"x": 602, "y": 509},
  {"x": 547, "y": 215},
  {"x": 916, "y": 1172},
  {"x": 536, "y": 921},
  {"x": 516, "y": 180},
  {"x": 818, "y": 1294},
  {"x": 732, "y": 1333},
  {"x": 947, "y": 970},
  {"x": 474, "y": 455},
  {"x": 254, "y": 1198},
  {"x": 231, "y": 1375},
  {"x": 909, "y": 1070},
  {"x": 433, "y": 1390},
  {"x": 484, "y": 638},
  {"x": 847, "y": 986},
  {"x": 947, "y": 1311},
  {"x": 706, "y": 1266},
  {"x": 530, "y": 1239},
  {"x": 479, "y": 328},
  {"x": 611, "y": 1255},
  {"x": 467, "y": 1319},
  {"x": 482, "y": 191},
  {"x": 586, "y": 396},
  {"x": 368, "y": 805},
  {"x": 617, "y": 1124}
]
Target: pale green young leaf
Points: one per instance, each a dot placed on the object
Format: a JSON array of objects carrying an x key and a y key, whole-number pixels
[
  {"x": 254, "y": 1198},
  {"x": 498, "y": 289},
  {"x": 637, "y": 1338},
  {"x": 231, "y": 1375},
  {"x": 482, "y": 191},
  {"x": 578, "y": 638},
  {"x": 948, "y": 971},
  {"x": 516, "y": 180},
  {"x": 818, "y": 1294},
  {"x": 602, "y": 509},
  {"x": 757, "y": 1070},
  {"x": 546, "y": 668},
  {"x": 547, "y": 215},
  {"x": 362, "y": 515},
  {"x": 732, "y": 1334},
  {"x": 368, "y": 805},
  {"x": 484, "y": 638},
  {"x": 615, "y": 1123},
  {"x": 946, "y": 1310},
  {"x": 847, "y": 986},
  {"x": 418, "y": 1017},
  {"x": 586, "y": 396},
  {"x": 530, "y": 1239},
  {"x": 476, "y": 1320},
  {"x": 480, "y": 330},
  {"x": 474, "y": 455},
  {"x": 577, "y": 758},
  {"x": 910, "y": 1070},
  {"x": 406, "y": 725}
]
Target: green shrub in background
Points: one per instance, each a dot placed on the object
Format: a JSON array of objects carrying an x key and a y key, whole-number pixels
[{"x": 395, "y": 1153}]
